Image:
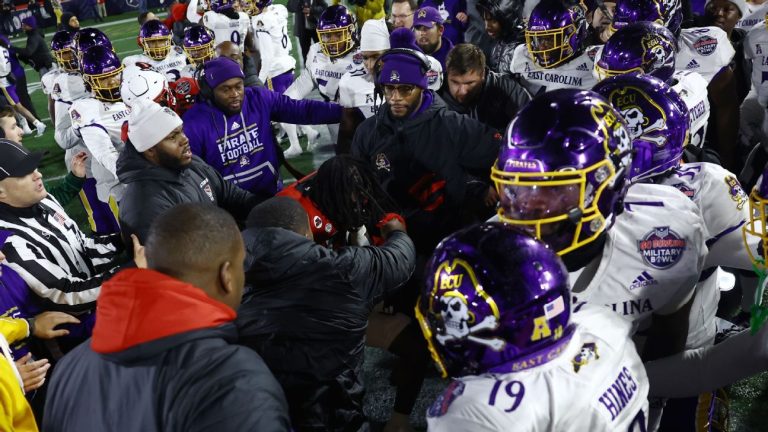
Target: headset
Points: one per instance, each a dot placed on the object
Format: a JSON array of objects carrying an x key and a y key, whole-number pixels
[
  {"x": 206, "y": 92},
  {"x": 378, "y": 92}
]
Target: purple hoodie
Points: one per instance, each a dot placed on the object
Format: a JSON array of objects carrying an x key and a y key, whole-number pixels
[{"x": 241, "y": 147}]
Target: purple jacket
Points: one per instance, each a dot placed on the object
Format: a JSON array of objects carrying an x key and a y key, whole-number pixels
[{"x": 241, "y": 147}]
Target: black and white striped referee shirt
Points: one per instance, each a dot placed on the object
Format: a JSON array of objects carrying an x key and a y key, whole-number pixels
[{"x": 59, "y": 263}]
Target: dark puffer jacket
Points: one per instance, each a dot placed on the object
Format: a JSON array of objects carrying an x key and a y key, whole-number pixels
[{"x": 152, "y": 189}]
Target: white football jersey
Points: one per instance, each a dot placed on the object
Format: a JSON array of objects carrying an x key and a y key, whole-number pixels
[
  {"x": 705, "y": 50},
  {"x": 323, "y": 73},
  {"x": 46, "y": 81},
  {"x": 227, "y": 29},
  {"x": 171, "y": 65},
  {"x": 100, "y": 125},
  {"x": 756, "y": 49},
  {"x": 724, "y": 208},
  {"x": 575, "y": 73},
  {"x": 67, "y": 88},
  {"x": 652, "y": 257},
  {"x": 692, "y": 88},
  {"x": 597, "y": 383},
  {"x": 356, "y": 90},
  {"x": 755, "y": 16},
  {"x": 270, "y": 31}
]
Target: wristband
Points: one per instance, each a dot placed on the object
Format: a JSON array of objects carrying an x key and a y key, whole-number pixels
[{"x": 31, "y": 323}]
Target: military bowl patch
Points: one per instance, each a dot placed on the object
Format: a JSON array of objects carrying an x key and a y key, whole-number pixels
[
  {"x": 705, "y": 45},
  {"x": 661, "y": 248}
]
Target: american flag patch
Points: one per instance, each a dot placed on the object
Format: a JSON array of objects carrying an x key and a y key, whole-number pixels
[
  {"x": 60, "y": 218},
  {"x": 554, "y": 308}
]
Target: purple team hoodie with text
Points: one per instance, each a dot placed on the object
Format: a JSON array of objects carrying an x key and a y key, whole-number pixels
[{"x": 241, "y": 146}]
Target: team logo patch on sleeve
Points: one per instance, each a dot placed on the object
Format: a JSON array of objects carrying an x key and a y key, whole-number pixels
[
  {"x": 661, "y": 248},
  {"x": 737, "y": 193},
  {"x": 440, "y": 406},
  {"x": 705, "y": 45},
  {"x": 587, "y": 353}
]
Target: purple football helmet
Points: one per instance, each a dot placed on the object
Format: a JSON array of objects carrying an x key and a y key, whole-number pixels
[
  {"x": 198, "y": 44},
  {"x": 336, "y": 31},
  {"x": 255, "y": 7},
  {"x": 642, "y": 48},
  {"x": 102, "y": 72},
  {"x": 90, "y": 37},
  {"x": 220, "y": 5},
  {"x": 668, "y": 13},
  {"x": 155, "y": 38},
  {"x": 493, "y": 298},
  {"x": 63, "y": 47},
  {"x": 561, "y": 173},
  {"x": 555, "y": 32},
  {"x": 657, "y": 120},
  {"x": 757, "y": 224}
]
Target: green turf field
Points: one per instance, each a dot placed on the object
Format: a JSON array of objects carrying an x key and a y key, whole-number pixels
[{"x": 749, "y": 398}]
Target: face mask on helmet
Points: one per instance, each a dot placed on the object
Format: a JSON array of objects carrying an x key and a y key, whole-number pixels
[
  {"x": 155, "y": 39},
  {"x": 657, "y": 120},
  {"x": 554, "y": 33},
  {"x": 667, "y": 13},
  {"x": 755, "y": 236},
  {"x": 561, "y": 173},
  {"x": 640, "y": 48},
  {"x": 493, "y": 298},
  {"x": 62, "y": 46},
  {"x": 102, "y": 72},
  {"x": 198, "y": 45},
  {"x": 336, "y": 31}
]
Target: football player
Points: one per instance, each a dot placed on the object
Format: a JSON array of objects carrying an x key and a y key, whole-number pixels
[
  {"x": 554, "y": 55},
  {"x": 159, "y": 53},
  {"x": 705, "y": 50},
  {"x": 562, "y": 174},
  {"x": 270, "y": 30},
  {"x": 650, "y": 48},
  {"x": 226, "y": 24},
  {"x": 334, "y": 54},
  {"x": 98, "y": 119},
  {"x": 495, "y": 310},
  {"x": 9, "y": 92}
]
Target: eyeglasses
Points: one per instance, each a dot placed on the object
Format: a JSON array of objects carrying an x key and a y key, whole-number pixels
[
  {"x": 402, "y": 90},
  {"x": 402, "y": 17}
]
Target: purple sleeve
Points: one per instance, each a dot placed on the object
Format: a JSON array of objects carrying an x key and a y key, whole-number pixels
[{"x": 304, "y": 111}]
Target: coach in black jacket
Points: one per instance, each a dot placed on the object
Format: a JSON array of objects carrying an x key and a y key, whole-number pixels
[
  {"x": 476, "y": 91},
  {"x": 160, "y": 172},
  {"x": 308, "y": 307},
  {"x": 424, "y": 155}
]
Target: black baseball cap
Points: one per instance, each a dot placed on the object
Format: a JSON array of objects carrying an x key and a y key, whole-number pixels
[{"x": 16, "y": 161}]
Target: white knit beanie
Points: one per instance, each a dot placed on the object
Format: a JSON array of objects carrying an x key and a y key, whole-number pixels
[
  {"x": 374, "y": 36},
  {"x": 149, "y": 123}
]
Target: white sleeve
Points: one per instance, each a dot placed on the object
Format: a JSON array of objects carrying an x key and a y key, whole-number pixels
[
  {"x": 192, "y": 14},
  {"x": 64, "y": 134},
  {"x": 301, "y": 86},
  {"x": 97, "y": 141},
  {"x": 264, "y": 45},
  {"x": 693, "y": 372},
  {"x": 5, "y": 63}
]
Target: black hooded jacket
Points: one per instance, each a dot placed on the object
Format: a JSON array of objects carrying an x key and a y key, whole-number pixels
[
  {"x": 152, "y": 189},
  {"x": 306, "y": 315},
  {"x": 427, "y": 163},
  {"x": 499, "y": 101}
]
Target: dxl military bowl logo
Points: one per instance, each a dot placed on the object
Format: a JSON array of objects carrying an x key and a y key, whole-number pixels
[{"x": 661, "y": 248}]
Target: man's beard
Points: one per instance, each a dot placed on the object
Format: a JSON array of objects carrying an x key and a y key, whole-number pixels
[
  {"x": 430, "y": 48},
  {"x": 170, "y": 161}
]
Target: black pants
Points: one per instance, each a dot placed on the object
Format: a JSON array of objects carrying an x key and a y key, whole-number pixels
[{"x": 21, "y": 91}]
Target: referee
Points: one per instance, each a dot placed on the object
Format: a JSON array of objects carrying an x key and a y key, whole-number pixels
[{"x": 59, "y": 263}]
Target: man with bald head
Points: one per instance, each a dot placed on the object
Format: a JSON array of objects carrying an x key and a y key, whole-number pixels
[
  {"x": 164, "y": 337},
  {"x": 250, "y": 64}
]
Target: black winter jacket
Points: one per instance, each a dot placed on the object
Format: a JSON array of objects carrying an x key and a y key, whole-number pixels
[
  {"x": 426, "y": 163},
  {"x": 152, "y": 189},
  {"x": 499, "y": 101},
  {"x": 36, "y": 52},
  {"x": 307, "y": 313}
]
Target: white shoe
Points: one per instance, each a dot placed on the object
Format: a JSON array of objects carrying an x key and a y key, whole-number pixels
[
  {"x": 40, "y": 126},
  {"x": 312, "y": 136},
  {"x": 292, "y": 152},
  {"x": 24, "y": 125}
]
